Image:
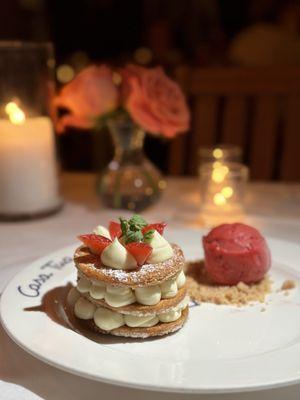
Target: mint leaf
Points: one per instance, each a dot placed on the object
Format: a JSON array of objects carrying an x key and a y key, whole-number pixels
[
  {"x": 133, "y": 237},
  {"x": 124, "y": 226},
  {"x": 132, "y": 229},
  {"x": 137, "y": 222},
  {"x": 148, "y": 236}
]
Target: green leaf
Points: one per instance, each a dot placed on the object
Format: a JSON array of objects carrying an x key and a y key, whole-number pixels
[
  {"x": 124, "y": 226},
  {"x": 148, "y": 236},
  {"x": 132, "y": 229},
  {"x": 137, "y": 221},
  {"x": 133, "y": 237}
]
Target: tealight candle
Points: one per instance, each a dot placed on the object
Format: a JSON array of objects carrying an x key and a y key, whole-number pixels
[{"x": 222, "y": 191}]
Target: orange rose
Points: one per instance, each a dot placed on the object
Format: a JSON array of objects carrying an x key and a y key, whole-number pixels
[
  {"x": 89, "y": 95},
  {"x": 154, "y": 101}
]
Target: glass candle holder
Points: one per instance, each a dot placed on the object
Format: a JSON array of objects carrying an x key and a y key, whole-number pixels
[
  {"x": 28, "y": 164},
  {"x": 222, "y": 192},
  {"x": 222, "y": 153}
]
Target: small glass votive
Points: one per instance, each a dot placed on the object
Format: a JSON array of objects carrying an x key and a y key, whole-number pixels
[
  {"x": 28, "y": 162},
  {"x": 222, "y": 153},
  {"x": 222, "y": 188}
]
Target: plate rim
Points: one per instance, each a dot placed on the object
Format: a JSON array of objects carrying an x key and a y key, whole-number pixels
[{"x": 250, "y": 387}]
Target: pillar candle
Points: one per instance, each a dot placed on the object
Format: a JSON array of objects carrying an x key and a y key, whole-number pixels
[{"x": 28, "y": 180}]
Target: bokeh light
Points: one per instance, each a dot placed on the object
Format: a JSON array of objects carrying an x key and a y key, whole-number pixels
[
  {"x": 227, "y": 192},
  {"x": 143, "y": 55},
  {"x": 15, "y": 114},
  {"x": 218, "y": 153},
  {"x": 219, "y": 173},
  {"x": 65, "y": 73},
  {"x": 219, "y": 199}
]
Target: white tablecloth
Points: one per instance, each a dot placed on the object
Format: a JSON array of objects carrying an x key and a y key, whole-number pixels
[{"x": 273, "y": 208}]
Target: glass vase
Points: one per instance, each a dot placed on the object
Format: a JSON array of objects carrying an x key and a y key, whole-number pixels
[{"x": 130, "y": 181}]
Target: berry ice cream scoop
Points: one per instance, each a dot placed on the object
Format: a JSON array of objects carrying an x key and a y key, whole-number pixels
[{"x": 236, "y": 253}]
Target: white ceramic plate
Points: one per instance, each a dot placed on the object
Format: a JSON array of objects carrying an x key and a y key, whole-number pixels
[{"x": 220, "y": 349}]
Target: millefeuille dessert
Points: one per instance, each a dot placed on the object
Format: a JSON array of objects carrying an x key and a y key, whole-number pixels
[{"x": 130, "y": 280}]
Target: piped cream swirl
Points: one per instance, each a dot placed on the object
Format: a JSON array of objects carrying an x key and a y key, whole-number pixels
[
  {"x": 161, "y": 249},
  {"x": 107, "y": 319},
  {"x": 116, "y": 256},
  {"x": 102, "y": 231},
  {"x": 121, "y": 296}
]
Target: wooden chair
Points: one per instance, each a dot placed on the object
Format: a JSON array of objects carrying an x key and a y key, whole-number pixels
[{"x": 257, "y": 109}]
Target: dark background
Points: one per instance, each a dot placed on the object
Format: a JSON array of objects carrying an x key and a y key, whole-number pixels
[
  {"x": 114, "y": 29},
  {"x": 167, "y": 32}
]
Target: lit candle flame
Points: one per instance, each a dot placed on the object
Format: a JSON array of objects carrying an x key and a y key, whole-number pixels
[{"x": 15, "y": 114}]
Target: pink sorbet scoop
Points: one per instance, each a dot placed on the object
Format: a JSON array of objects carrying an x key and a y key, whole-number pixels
[{"x": 236, "y": 253}]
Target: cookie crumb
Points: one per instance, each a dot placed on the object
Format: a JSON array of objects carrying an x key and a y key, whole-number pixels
[
  {"x": 288, "y": 284},
  {"x": 201, "y": 289}
]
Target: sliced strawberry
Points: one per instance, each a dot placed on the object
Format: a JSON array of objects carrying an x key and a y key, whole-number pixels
[
  {"x": 140, "y": 251},
  {"x": 95, "y": 243},
  {"x": 159, "y": 227},
  {"x": 114, "y": 229}
]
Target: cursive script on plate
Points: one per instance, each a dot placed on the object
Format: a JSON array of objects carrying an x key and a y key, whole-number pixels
[{"x": 32, "y": 289}]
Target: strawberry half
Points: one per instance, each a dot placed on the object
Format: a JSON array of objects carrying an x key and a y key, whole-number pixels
[
  {"x": 95, "y": 243},
  {"x": 140, "y": 251},
  {"x": 114, "y": 230},
  {"x": 159, "y": 227}
]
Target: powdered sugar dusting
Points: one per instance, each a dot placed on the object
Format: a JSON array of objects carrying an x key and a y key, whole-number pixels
[{"x": 146, "y": 275}]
